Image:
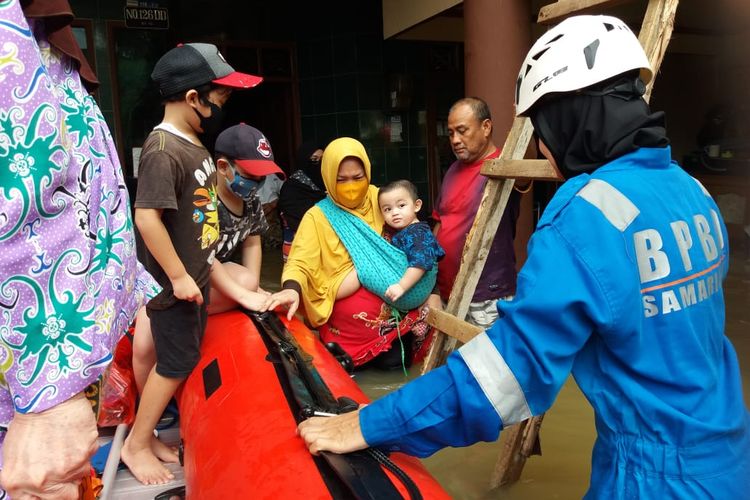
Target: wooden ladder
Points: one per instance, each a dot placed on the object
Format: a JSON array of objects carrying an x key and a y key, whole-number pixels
[{"x": 522, "y": 440}]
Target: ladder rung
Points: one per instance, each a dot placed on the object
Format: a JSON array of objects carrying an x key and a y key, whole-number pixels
[
  {"x": 451, "y": 325},
  {"x": 520, "y": 169},
  {"x": 555, "y": 12}
]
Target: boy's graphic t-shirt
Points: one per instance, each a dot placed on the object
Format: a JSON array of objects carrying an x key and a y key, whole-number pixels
[
  {"x": 236, "y": 228},
  {"x": 180, "y": 177}
]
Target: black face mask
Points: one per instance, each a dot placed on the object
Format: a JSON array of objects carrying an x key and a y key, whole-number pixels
[
  {"x": 313, "y": 172},
  {"x": 211, "y": 125}
]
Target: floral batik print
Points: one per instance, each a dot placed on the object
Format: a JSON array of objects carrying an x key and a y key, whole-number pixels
[
  {"x": 365, "y": 326},
  {"x": 70, "y": 283}
]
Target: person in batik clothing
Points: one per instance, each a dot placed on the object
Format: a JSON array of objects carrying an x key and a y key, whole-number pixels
[{"x": 70, "y": 283}]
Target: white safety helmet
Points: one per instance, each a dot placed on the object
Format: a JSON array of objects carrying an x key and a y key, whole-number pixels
[{"x": 577, "y": 53}]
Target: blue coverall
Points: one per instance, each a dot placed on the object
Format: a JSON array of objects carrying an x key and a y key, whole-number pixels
[{"x": 623, "y": 288}]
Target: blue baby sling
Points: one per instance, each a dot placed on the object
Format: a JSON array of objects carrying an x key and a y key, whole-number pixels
[{"x": 378, "y": 263}]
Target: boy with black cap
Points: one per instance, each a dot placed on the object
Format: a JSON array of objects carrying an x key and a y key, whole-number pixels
[
  {"x": 243, "y": 159},
  {"x": 176, "y": 214}
]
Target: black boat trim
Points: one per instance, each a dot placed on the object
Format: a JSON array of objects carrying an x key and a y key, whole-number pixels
[
  {"x": 352, "y": 475},
  {"x": 211, "y": 378}
]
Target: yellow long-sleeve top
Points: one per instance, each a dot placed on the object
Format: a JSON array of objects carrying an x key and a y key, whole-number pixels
[{"x": 318, "y": 260}]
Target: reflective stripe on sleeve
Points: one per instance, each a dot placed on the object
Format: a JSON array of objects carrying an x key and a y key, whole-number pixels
[
  {"x": 703, "y": 188},
  {"x": 614, "y": 205},
  {"x": 496, "y": 379}
]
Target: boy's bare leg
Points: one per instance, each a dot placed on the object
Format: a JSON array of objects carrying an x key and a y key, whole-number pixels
[
  {"x": 144, "y": 354},
  {"x": 144, "y": 359},
  {"x": 137, "y": 452},
  {"x": 349, "y": 285}
]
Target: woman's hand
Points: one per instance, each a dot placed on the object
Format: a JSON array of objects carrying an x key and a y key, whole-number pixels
[
  {"x": 339, "y": 434},
  {"x": 47, "y": 454},
  {"x": 288, "y": 298}
]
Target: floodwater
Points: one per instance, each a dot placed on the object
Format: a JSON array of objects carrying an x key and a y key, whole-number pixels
[{"x": 567, "y": 434}]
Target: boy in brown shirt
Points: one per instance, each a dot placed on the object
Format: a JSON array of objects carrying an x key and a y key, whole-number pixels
[{"x": 176, "y": 213}]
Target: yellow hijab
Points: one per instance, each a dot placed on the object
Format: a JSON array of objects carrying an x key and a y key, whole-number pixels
[{"x": 318, "y": 260}]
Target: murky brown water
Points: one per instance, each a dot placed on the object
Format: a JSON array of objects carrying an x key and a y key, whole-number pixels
[
  {"x": 567, "y": 438},
  {"x": 567, "y": 434}
]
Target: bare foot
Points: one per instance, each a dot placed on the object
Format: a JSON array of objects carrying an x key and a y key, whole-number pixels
[
  {"x": 163, "y": 452},
  {"x": 144, "y": 465}
]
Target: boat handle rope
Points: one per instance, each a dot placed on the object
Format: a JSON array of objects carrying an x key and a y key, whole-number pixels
[{"x": 397, "y": 471}]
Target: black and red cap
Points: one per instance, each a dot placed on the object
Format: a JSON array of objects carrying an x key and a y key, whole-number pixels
[
  {"x": 191, "y": 65},
  {"x": 249, "y": 149}
]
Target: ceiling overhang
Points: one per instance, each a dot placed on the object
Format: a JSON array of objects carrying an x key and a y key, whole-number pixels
[{"x": 399, "y": 16}]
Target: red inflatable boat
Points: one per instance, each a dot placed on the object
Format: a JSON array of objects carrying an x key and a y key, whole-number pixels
[{"x": 260, "y": 375}]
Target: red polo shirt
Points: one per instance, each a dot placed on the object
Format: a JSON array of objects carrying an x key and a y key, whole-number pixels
[{"x": 457, "y": 205}]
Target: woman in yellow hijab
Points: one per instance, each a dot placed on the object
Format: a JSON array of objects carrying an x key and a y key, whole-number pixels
[{"x": 320, "y": 273}]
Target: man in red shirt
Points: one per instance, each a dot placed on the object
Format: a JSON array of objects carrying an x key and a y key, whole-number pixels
[{"x": 470, "y": 132}]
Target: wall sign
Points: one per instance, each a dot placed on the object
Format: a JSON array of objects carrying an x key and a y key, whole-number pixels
[{"x": 147, "y": 17}]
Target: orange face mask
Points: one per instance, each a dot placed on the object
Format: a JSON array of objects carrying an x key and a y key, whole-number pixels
[{"x": 351, "y": 193}]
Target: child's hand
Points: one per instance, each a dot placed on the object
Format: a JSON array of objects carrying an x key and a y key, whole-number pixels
[
  {"x": 288, "y": 298},
  {"x": 433, "y": 302},
  {"x": 264, "y": 292},
  {"x": 394, "y": 292},
  {"x": 184, "y": 288},
  {"x": 254, "y": 301}
]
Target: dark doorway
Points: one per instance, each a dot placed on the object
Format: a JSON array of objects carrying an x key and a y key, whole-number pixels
[{"x": 273, "y": 106}]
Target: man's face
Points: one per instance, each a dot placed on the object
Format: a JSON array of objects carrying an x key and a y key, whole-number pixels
[{"x": 469, "y": 137}]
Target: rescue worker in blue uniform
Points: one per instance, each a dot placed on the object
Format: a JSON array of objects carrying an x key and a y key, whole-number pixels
[{"x": 622, "y": 288}]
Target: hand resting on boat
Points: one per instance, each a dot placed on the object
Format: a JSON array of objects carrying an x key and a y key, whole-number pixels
[
  {"x": 288, "y": 298},
  {"x": 339, "y": 434}
]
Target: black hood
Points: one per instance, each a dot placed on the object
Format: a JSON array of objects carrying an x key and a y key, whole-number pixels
[{"x": 590, "y": 128}]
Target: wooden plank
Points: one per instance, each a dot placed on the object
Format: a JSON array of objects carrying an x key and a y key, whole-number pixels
[
  {"x": 519, "y": 443},
  {"x": 476, "y": 249},
  {"x": 541, "y": 170},
  {"x": 656, "y": 31},
  {"x": 452, "y": 326},
  {"x": 518, "y": 139},
  {"x": 491, "y": 209},
  {"x": 556, "y": 12}
]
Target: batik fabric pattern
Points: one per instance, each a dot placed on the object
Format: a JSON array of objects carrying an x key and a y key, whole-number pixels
[{"x": 70, "y": 283}]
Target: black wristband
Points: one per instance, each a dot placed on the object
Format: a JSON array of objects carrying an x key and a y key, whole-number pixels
[{"x": 292, "y": 285}]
